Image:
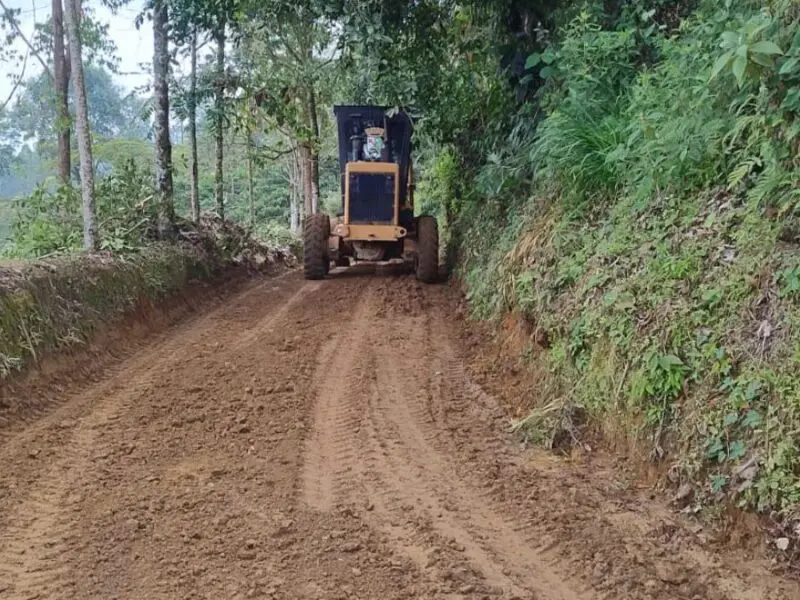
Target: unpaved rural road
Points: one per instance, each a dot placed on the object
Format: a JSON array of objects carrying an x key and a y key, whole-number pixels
[{"x": 324, "y": 440}]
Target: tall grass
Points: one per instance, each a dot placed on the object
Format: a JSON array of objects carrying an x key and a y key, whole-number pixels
[{"x": 580, "y": 146}]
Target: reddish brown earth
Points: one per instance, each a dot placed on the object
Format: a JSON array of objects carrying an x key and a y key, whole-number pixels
[{"x": 325, "y": 440}]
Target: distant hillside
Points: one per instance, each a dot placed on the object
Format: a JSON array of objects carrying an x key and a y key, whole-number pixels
[{"x": 25, "y": 174}]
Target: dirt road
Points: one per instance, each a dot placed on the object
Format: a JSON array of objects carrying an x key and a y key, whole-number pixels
[{"x": 324, "y": 440}]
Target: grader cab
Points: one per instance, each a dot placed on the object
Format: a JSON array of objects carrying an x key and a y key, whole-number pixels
[{"x": 376, "y": 220}]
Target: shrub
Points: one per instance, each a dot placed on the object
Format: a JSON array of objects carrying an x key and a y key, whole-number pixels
[{"x": 49, "y": 221}]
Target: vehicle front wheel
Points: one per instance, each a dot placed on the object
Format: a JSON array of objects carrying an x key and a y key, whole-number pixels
[
  {"x": 316, "y": 260},
  {"x": 427, "y": 249}
]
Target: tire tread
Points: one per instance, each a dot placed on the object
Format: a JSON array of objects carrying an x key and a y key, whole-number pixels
[
  {"x": 316, "y": 229},
  {"x": 427, "y": 249}
]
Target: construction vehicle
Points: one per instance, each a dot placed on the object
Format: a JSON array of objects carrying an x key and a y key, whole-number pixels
[{"x": 376, "y": 221}]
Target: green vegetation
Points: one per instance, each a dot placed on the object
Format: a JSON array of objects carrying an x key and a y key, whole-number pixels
[
  {"x": 124, "y": 160},
  {"x": 58, "y": 304},
  {"x": 641, "y": 214},
  {"x": 623, "y": 175}
]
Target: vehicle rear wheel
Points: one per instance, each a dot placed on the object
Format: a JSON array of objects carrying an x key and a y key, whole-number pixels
[
  {"x": 316, "y": 260},
  {"x": 427, "y": 249}
]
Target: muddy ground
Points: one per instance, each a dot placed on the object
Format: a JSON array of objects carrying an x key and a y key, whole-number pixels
[{"x": 325, "y": 440}]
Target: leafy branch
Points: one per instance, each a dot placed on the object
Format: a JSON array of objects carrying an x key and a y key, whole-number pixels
[{"x": 11, "y": 19}]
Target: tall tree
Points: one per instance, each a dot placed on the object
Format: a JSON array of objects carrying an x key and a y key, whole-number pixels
[
  {"x": 61, "y": 85},
  {"x": 293, "y": 168},
  {"x": 312, "y": 110},
  {"x": 306, "y": 175},
  {"x": 194, "y": 194},
  {"x": 313, "y": 122},
  {"x": 219, "y": 116},
  {"x": 188, "y": 18},
  {"x": 284, "y": 42},
  {"x": 163, "y": 146},
  {"x": 250, "y": 197},
  {"x": 72, "y": 13}
]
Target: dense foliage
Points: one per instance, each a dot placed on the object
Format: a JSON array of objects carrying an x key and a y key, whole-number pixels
[
  {"x": 622, "y": 175},
  {"x": 640, "y": 212}
]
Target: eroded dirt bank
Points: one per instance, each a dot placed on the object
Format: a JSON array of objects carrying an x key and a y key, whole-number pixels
[{"x": 324, "y": 440}]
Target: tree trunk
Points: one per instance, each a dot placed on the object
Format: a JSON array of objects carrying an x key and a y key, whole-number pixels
[
  {"x": 61, "y": 86},
  {"x": 306, "y": 175},
  {"x": 194, "y": 195},
  {"x": 72, "y": 14},
  {"x": 232, "y": 197},
  {"x": 294, "y": 192},
  {"x": 219, "y": 121},
  {"x": 164, "y": 190},
  {"x": 314, "y": 122},
  {"x": 250, "y": 200},
  {"x": 294, "y": 216}
]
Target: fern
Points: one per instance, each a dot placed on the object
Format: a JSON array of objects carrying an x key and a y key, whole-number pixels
[
  {"x": 742, "y": 171},
  {"x": 773, "y": 181}
]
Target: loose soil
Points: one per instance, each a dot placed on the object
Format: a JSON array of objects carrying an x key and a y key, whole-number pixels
[{"x": 326, "y": 440}]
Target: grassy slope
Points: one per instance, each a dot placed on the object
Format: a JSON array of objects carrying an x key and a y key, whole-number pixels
[
  {"x": 45, "y": 306},
  {"x": 675, "y": 328},
  {"x": 661, "y": 291}
]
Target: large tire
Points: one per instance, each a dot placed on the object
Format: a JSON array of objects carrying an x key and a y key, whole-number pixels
[
  {"x": 316, "y": 261},
  {"x": 427, "y": 250}
]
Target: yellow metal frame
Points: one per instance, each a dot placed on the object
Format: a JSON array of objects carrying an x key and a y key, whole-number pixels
[
  {"x": 373, "y": 168},
  {"x": 369, "y": 233}
]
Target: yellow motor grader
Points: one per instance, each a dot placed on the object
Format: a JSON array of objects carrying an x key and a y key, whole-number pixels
[{"x": 376, "y": 220}]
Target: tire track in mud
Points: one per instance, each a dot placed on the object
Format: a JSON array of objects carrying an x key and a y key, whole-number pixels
[
  {"x": 30, "y": 550},
  {"x": 424, "y": 474},
  {"x": 38, "y": 539},
  {"x": 411, "y": 517},
  {"x": 39, "y": 536},
  {"x": 345, "y": 455},
  {"x": 268, "y": 322},
  {"x": 372, "y": 440},
  {"x": 321, "y": 441},
  {"x": 330, "y": 454}
]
